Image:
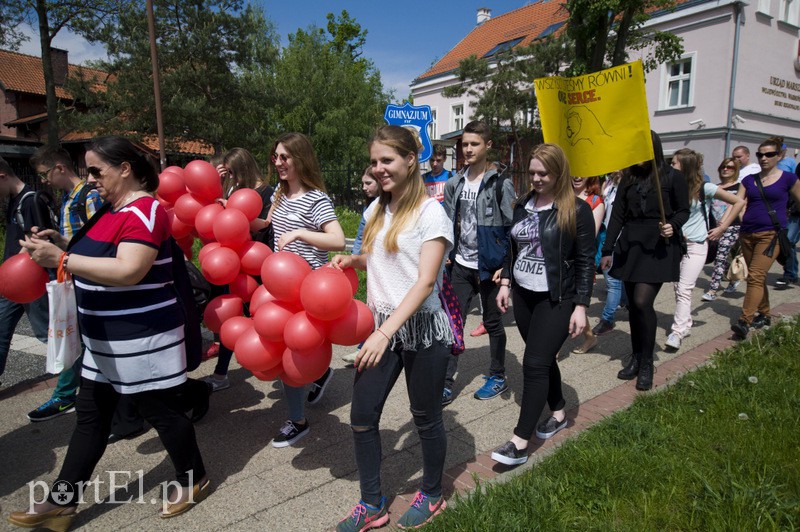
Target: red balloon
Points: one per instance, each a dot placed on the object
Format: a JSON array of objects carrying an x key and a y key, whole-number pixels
[
  {"x": 175, "y": 170},
  {"x": 220, "y": 266},
  {"x": 244, "y": 286},
  {"x": 269, "y": 375},
  {"x": 187, "y": 246},
  {"x": 232, "y": 329},
  {"x": 259, "y": 297},
  {"x": 205, "y": 250},
  {"x": 353, "y": 327},
  {"x": 246, "y": 200},
  {"x": 204, "y": 221},
  {"x": 220, "y": 309},
  {"x": 203, "y": 180},
  {"x": 282, "y": 274},
  {"x": 177, "y": 228},
  {"x": 187, "y": 206},
  {"x": 253, "y": 254},
  {"x": 254, "y": 353},
  {"x": 24, "y": 280},
  {"x": 304, "y": 333},
  {"x": 289, "y": 382},
  {"x": 352, "y": 276},
  {"x": 326, "y": 293},
  {"x": 164, "y": 203},
  {"x": 304, "y": 367},
  {"x": 231, "y": 228},
  {"x": 171, "y": 186},
  {"x": 271, "y": 319}
]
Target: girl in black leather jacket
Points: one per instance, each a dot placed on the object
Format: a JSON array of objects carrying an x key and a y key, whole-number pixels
[{"x": 551, "y": 266}]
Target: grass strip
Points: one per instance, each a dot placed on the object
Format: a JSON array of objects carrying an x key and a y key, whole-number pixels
[{"x": 716, "y": 451}]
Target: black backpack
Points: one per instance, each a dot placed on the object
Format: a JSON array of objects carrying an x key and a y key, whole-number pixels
[
  {"x": 44, "y": 213},
  {"x": 193, "y": 298}
]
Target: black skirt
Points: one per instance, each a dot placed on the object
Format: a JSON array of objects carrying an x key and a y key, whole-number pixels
[{"x": 642, "y": 255}]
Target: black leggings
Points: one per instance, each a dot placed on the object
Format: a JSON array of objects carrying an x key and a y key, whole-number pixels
[
  {"x": 163, "y": 409},
  {"x": 544, "y": 326},
  {"x": 642, "y": 315}
]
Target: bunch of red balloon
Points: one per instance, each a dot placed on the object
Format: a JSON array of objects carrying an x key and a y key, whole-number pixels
[{"x": 297, "y": 313}]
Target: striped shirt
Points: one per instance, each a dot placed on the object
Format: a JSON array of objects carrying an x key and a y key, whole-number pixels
[
  {"x": 134, "y": 335},
  {"x": 310, "y": 211},
  {"x": 71, "y": 221}
]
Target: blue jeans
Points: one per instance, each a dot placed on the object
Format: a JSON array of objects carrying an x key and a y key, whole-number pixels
[
  {"x": 615, "y": 294},
  {"x": 11, "y": 313},
  {"x": 793, "y": 232}
]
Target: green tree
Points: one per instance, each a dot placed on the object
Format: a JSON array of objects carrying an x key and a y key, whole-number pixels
[
  {"x": 501, "y": 88},
  {"x": 326, "y": 90},
  {"x": 12, "y": 15},
  {"x": 81, "y": 16},
  {"x": 214, "y": 58},
  {"x": 604, "y": 31}
]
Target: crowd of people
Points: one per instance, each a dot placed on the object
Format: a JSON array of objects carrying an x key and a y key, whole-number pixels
[{"x": 537, "y": 254}]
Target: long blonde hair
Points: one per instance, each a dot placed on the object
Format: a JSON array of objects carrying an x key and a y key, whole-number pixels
[
  {"x": 404, "y": 143},
  {"x": 305, "y": 163},
  {"x": 555, "y": 162},
  {"x": 243, "y": 170},
  {"x": 690, "y": 168}
]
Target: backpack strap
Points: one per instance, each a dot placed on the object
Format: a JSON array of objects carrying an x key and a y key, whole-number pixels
[{"x": 79, "y": 205}]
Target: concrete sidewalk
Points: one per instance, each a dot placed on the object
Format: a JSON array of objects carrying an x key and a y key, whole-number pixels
[{"x": 312, "y": 485}]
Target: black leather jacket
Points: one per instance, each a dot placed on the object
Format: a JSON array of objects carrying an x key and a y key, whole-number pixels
[{"x": 568, "y": 259}]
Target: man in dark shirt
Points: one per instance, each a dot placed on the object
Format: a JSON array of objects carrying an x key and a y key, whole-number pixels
[{"x": 15, "y": 190}]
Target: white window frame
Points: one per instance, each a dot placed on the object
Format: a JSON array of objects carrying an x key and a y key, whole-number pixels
[
  {"x": 789, "y": 12},
  {"x": 433, "y": 127},
  {"x": 763, "y": 7},
  {"x": 667, "y": 78},
  {"x": 454, "y": 119}
]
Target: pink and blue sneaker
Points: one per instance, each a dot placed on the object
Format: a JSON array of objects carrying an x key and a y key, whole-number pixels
[
  {"x": 364, "y": 516},
  {"x": 423, "y": 509}
]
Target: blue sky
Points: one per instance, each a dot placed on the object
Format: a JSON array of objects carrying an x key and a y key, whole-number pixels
[{"x": 403, "y": 39}]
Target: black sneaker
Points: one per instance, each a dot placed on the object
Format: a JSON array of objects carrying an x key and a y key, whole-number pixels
[
  {"x": 603, "y": 327},
  {"x": 290, "y": 433},
  {"x": 508, "y": 454},
  {"x": 740, "y": 329},
  {"x": 318, "y": 387},
  {"x": 784, "y": 282},
  {"x": 52, "y": 408},
  {"x": 549, "y": 428},
  {"x": 761, "y": 321}
]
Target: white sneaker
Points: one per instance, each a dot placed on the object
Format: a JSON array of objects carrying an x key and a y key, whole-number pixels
[
  {"x": 709, "y": 296},
  {"x": 350, "y": 358},
  {"x": 673, "y": 341}
]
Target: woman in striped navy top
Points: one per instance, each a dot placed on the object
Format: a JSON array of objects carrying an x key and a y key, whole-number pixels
[
  {"x": 131, "y": 323},
  {"x": 304, "y": 223}
]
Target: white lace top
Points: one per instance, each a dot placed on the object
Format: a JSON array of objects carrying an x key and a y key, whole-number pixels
[{"x": 391, "y": 275}]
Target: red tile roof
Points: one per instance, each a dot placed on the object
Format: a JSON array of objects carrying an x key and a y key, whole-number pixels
[
  {"x": 527, "y": 22},
  {"x": 189, "y": 147},
  {"x": 23, "y": 73}
]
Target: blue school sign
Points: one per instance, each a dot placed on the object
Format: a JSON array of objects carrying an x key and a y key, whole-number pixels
[{"x": 417, "y": 117}]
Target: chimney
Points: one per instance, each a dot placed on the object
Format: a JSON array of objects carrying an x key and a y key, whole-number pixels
[
  {"x": 484, "y": 14},
  {"x": 60, "y": 61}
]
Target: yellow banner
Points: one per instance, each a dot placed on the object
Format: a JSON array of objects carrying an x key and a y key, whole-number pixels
[{"x": 600, "y": 120}]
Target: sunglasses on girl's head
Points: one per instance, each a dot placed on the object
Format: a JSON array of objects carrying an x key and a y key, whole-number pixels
[
  {"x": 282, "y": 156},
  {"x": 768, "y": 154}
]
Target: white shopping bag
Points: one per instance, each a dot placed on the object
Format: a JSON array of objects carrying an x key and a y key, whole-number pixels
[{"x": 63, "y": 340}]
